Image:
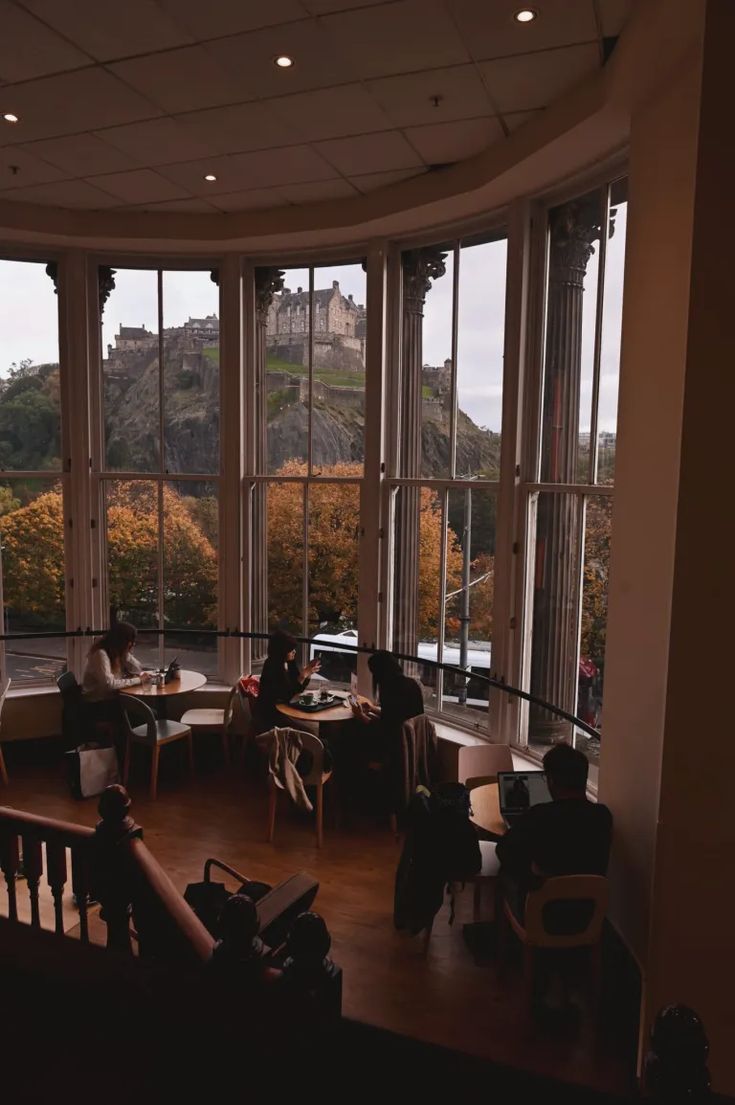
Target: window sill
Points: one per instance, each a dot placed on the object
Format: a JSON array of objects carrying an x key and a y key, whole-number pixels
[{"x": 33, "y": 690}]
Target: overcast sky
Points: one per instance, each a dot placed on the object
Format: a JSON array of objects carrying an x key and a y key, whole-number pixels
[{"x": 29, "y": 326}]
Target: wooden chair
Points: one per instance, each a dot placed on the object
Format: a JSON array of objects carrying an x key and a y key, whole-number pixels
[
  {"x": 480, "y": 764},
  {"x": 317, "y": 777},
  {"x": 3, "y": 769},
  {"x": 208, "y": 720},
  {"x": 154, "y": 733},
  {"x": 532, "y": 931}
]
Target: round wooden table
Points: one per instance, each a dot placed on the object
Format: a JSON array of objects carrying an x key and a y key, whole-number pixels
[
  {"x": 337, "y": 713},
  {"x": 486, "y": 809},
  {"x": 187, "y": 681}
]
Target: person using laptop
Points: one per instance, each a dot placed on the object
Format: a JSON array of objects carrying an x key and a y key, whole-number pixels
[{"x": 570, "y": 835}]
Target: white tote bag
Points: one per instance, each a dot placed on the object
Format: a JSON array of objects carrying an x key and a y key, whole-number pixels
[{"x": 97, "y": 769}]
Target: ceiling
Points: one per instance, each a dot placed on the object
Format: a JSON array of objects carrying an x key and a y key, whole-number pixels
[{"x": 128, "y": 104}]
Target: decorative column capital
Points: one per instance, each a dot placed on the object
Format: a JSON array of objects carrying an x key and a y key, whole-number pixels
[
  {"x": 573, "y": 228},
  {"x": 105, "y": 284},
  {"x": 214, "y": 276},
  {"x": 268, "y": 282},
  {"x": 420, "y": 268},
  {"x": 52, "y": 271}
]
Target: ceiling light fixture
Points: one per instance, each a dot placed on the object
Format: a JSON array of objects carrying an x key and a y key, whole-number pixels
[
  {"x": 210, "y": 177},
  {"x": 526, "y": 15},
  {"x": 283, "y": 61},
  {"x": 9, "y": 117}
]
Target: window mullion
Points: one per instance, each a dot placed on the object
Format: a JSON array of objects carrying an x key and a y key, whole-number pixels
[
  {"x": 162, "y": 468},
  {"x": 599, "y": 308},
  {"x": 455, "y": 367}
]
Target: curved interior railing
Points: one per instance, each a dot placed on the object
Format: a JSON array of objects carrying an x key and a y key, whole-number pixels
[{"x": 490, "y": 681}]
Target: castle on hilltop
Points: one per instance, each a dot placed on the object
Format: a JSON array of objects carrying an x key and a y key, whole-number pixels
[{"x": 339, "y": 329}]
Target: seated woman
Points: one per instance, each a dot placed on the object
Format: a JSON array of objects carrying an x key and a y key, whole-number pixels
[
  {"x": 111, "y": 666},
  {"x": 280, "y": 680}
]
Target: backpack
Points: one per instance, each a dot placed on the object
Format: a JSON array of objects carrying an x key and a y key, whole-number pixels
[{"x": 441, "y": 847}]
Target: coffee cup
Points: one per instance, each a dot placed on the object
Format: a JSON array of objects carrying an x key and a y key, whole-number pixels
[{"x": 308, "y": 697}]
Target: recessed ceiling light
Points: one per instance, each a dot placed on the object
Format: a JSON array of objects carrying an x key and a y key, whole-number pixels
[
  {"x": 210, "y": 177},
  {"x": 9, "y": 117},
  {"x": 283, "y": 61},
  {"x": 526, "y": 15}
]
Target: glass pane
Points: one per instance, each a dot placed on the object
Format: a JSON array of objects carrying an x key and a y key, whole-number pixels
[
  {"x": 30, "y": 411},
  {"x": 132, "y": 529},
  {"x": 191, "y": 372},
  {"x": 190, "y": 539},
  {"x": 285, "y": 511},
  {"x": 32, "y": 540},
  {"x": 338, "y": 390},
  {"x": 612, "y": 319},
  {"x": 130, "y": 382},
  {"x": 468, "y": 615},
  {"x": 436, "y": 375},
  {"x": 597, "y": 535},
  {"x": 334, "y": 518},
  {"x": 574, "y": 232},
  {"x": 556, "y": 563},
  {"x": 480, "y": 339},
  {"x": 287, "y": 373}
]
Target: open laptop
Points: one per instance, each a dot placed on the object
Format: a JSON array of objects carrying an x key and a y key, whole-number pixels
[{"x": 518, "y": 791}]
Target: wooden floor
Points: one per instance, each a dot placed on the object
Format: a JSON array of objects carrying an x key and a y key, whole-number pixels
[{"x": 443, "y": 998}]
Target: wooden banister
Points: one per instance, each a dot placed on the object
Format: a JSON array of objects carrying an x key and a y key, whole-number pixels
[{"x": 174, "y": 930}]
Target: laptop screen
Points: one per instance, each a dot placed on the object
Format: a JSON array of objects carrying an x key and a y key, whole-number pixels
[{"x": 521, "y": 789}]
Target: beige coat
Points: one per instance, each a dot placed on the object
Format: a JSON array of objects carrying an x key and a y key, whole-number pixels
[{"x": 284, "y": 748}]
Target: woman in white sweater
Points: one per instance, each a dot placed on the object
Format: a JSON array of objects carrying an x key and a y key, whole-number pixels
[{"x": 111, "y": 666}]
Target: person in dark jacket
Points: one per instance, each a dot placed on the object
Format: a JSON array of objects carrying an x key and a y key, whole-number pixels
[
  {"x": 568, "y": 836},
  {"x": 280, "y": 680}
]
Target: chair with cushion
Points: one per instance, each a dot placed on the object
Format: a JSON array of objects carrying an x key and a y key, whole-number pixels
[
  {"x": 480, "y": 764},
  {"x": 567, "y": 911},
  {"x": 214, "y": 720},
  {"x": 3, "y": 769},
  {"x": 316, "y": 777},
  {"x": 153, "y": 732}
]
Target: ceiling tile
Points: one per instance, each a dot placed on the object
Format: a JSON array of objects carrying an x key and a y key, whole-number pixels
[
  {"x": 614, "y": 15},
  {"x": 247, "y": 201},
  {"x": 158, "y": 141},
  {"x": 28, "y": 49},
  {"x": 182, "y": 80},
  {"x": 19, "y": 168},
  {"x": 64, "y": 193},
  {"x": 490, "y": 31},
  {"x": 535, "y": 80},
  {"x": 190, "y": 175},
  {"x": 72, "y": 102},
  {"x": 331, "y": 112},
  {"x": 321, "y": 7},
  {"x": 514, "y": 120},
  {"x": 408, "y": 99},
  {"x": 317, "y": 62},
  {"x": 370, "y": 182},
  {"x": 111, "y": 30},
  {"x": 396, "y": 38},
  {"x": 316, "y": 191},
  {"x": 81, "y": 155},
  {"x": 370, "y": 153},
  {"x": 139, "y": 186},
  {"x": 241, "y": 127},
  {"x": 444, "y": 143},
  {"x": 230, "y": 17},
  {"x": 192, "y": 206},
  {"x": 292, "y": 165}
]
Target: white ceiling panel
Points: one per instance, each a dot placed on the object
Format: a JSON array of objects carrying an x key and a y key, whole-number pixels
[
  {"x": 323, "y": 7},
  {"x": 158, "y": 141},
  {"x": 396, "y": 38},
  {"x": 20, "y": 168},
  {"x": 444, "y": 143},
  {"x": 514, "y": 120},
  {"x": 138, "y": 186},
  {"x": 535, "y": 80},
  {"x": 70, "y": 103},
  {"x": 268, "y": 168},
  {"x": 251, "y": 200},
  {"x": 82, "y": 155},
  {"x": 614, "y": 15},
  {"x": 370, "y": 182},
  {"x": 111, "y": 30},
  {"x": 190, "y": 206},
  {"x": 490, "y": 31},
  {"x": 317, "y": 63},
  {"x": 64, "y": 193},
  {"x": 408, "y": 99},
  {"x": 29, "y": 49},
  {"x": 316, "y": 191},
  {"x": 331, "y": 112},
  {"x": 242, "y": 127},
  {"x": 190, "y": 175},
  {"x": 230, "y": 17},
  {"x": 370, "y": 153},
  {"x": 182, "y": 80}
]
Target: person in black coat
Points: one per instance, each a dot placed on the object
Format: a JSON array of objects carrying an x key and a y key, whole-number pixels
[{"x": 280, "y": 680}]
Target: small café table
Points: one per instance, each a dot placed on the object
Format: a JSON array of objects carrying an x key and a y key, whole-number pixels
[
  {"x": 340, "y": 712},
  {"x": 486, "y": 810},
  {"x": 184, "y": 682}
]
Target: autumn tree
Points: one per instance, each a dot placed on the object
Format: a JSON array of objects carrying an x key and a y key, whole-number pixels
[
  {"x": 33, "y": 557},
  {"x": 598, "y": 531}
]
